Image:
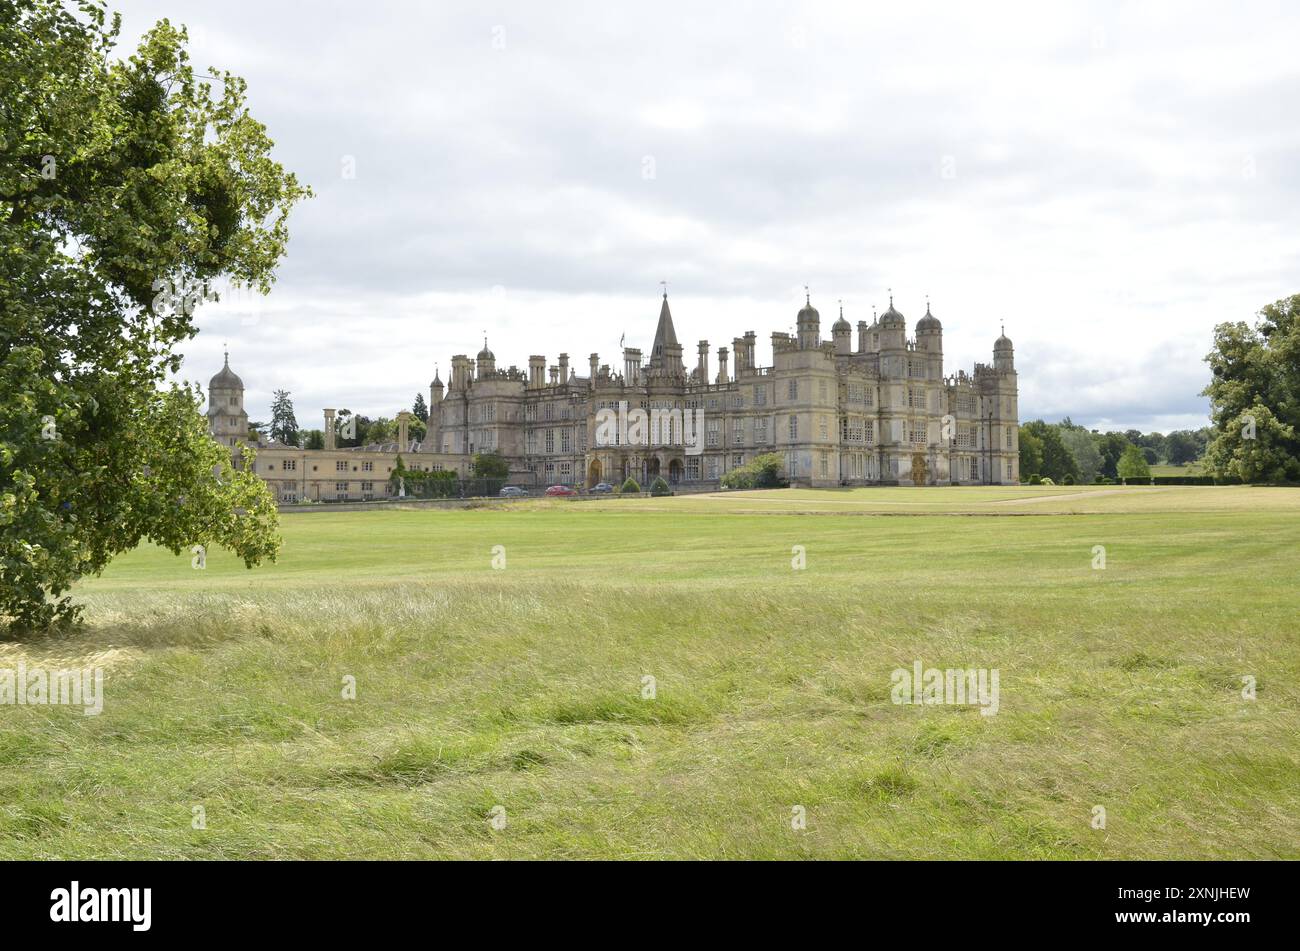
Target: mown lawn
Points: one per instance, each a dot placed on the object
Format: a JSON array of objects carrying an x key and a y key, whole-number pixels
[{"x": 522, "y": 687}]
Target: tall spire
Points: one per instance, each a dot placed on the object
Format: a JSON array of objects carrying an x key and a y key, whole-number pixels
[{"x": 665, "y": 335}]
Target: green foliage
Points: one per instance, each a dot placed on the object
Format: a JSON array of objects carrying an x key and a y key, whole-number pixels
[
  {"x": 1254, "y": 396},
  {"x": 491, "y": 465},
  {"x": 631, "y": 485},
  {"x": 126, "y": 188},
  {"x": 1031, "y": 455},
  {"x": 284, "y": 424},
  {"x": 1133, "y": 464},
  {"x": 761, "y": 472},
  {"x": 315, "y": 439},
  {"x": 659, "y": 487},
  {"x": 1057, "y": 460},
  {"x": 420, "y": 409},
  {"x": 1083, "y": 449}
]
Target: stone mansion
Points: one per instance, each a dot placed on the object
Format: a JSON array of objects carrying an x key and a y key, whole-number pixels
[{"x": 882, "y": 412}]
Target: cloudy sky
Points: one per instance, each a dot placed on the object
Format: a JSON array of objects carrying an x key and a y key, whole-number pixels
[{"x": 1109, "y": 179}]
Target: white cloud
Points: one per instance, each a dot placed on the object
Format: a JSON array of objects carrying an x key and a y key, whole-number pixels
[{"x": 1111, "y": 179}]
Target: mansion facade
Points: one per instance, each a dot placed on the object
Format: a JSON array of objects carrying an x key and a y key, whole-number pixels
[{"x": 876, "y": 411}]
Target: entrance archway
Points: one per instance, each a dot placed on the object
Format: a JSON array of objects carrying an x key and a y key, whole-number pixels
[
  {"x": 593, "y": 473},
  {"x": 675, "y": 471}
]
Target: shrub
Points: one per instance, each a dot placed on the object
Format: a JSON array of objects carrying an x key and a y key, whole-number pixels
[
  {"x": 1047, "y": 480},
  {"x": 630, "y": 486},
  {"x": 1067, "y": 479},
  {"x": 1035, "y": 480},
  {"x": 659, "y": 487},
  {"x": 761, "y": 472}
]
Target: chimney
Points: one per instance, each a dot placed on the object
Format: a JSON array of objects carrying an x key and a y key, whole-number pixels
[
  {"x": 403, "y": 430},
  {"x": 722, "y": 365},
  {"x": 329, "y": 429},
  {"x": 564, "y": 368},
  {"x": 631, "y": 365},
  {"x": 704, "y": 361},
  {"x": 862, "y": 336},
  {"x": 750, "y": 360},
  {"x": 536, "y": 370},
  {"x": 595, "y": 367}
]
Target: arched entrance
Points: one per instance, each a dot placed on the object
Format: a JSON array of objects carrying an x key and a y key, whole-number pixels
[
  {"x": 919, "y": 469},
  {"x": 652, "y": 468},
  {"x": 593, "y": 473},
  {"x": 675, "y": 471}
]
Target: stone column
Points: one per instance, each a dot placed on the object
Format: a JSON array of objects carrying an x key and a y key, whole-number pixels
[
  {"x": 329, "y": 429},
  {"x": 403, "y": 430}
]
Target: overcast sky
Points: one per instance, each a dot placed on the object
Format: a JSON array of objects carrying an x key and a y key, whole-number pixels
[{"x": 1111, "y": 180}]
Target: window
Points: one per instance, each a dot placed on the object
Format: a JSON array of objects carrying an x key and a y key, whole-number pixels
[
  {"x": 693, "y": 469},
  {"x": 340, "y": 486},
  {"x": 794, "y": 428},
  {"x": 737, "y": 460},
  {"x": 713, "y": 467},
  {"x": 823, "y": 428},
  {"x": 550, "y": 439},
  {"x": 566, "y": 439},
  {"x": 289, "y": 465},
  {"x": 794, "y": 389},
  {"x": 711, "y": 436},
  {"x": 490, "y": 412},
  {"x": 1009, "y": 431},
  {"x": 341, "y": 466},
  {"x": 738, "y": 431},
  {"x": 870, "y": 426},
  {"x": 974, "y": 468},
  {"x": 1008, "y": 470},
  {"x": 367, "y": 487},
  {"x": 234, "y": 401},
  {"x": 367, "y": 467},
  {"x": 548, "y": 412},
  {"x": 760, "y": 395},
  {"x": 825, "y": 466},
  {"x": 791, "y": 464},
  {"x": 566, "y": 471},
  {"x": 288, "y": 495}
]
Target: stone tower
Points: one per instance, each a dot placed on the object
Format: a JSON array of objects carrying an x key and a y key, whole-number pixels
[{"x": 227, "y": 421}]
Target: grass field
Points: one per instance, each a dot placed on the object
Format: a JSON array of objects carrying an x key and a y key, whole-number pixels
[{"x": 522, "y": 687}]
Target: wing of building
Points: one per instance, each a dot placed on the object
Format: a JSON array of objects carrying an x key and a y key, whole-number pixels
[{"x": 881, "y": 413}]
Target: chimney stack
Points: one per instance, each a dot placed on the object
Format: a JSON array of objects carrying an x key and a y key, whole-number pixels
[
  {"x": 329, "y": 429},
  {"x": 722, "y": 365}
]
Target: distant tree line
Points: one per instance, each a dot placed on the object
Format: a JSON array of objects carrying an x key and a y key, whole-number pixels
[
  {"x": 1068, "y": 453},
  {"x": 350, "y": 429}
]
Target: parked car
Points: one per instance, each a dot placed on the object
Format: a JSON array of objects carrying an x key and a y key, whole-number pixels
[
  {"x": 512, "y": 492},
  {"x": 602, "y": 487},
  {"x": 560, "y": 490}
]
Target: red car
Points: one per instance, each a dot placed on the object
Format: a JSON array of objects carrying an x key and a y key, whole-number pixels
[{"x": 560, "y": 490}]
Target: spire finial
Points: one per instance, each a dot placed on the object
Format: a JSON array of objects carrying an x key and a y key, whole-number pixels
[
  {"x": 891, "y": 297},
  {"x": 226, "y": 349},
  {"x": 841, "y": 302},
  {"x": 664, "y": 284},
  {"x": 1004, "y": 327},
  {"x": 807, "y": 297},
  {"x": 927, "y": 303}
]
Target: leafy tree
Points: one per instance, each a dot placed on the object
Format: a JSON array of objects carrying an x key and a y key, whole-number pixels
[
  {"x": 1031, "y": 454},
  {"x": 315, "y": 439},
  {"x": 284, "y": 425},
  {"x": 1058, "y": 462},
  {"x": 126, "y": 188},
  {"x": 1083, "y": 449},
  {"x": 420, "y": 409},
  {"x": 381, "y": 430},
  {"x": 490, "y": 465},
  {"x": 1180, "y": 447},
  {"x": 1133, "y": 464},
  {"x": 1255, "y": 376},
  {"x": 1111, "y": 446}
]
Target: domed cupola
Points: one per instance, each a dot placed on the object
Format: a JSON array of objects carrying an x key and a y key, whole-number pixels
[
  {"x": 1004, "y": 356},
  {"x": 1003, "y": 342},
  {"x": 226, "y": 379},
  {"x": 487, "y": 361},
  {"x": 809, "y": 324},
  {"x": 929, "y": 323},
  {"x": 892, "y": 318}
]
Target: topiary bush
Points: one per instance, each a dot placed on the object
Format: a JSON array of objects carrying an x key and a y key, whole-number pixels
[
  {"x": 631, "y": 485},
  {"x": 1047, "y": 480},
  {"x": 660, "y": 487}
]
